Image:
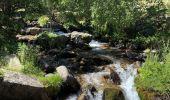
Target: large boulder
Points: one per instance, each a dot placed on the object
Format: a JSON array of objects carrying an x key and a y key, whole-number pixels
[
  {"x": 80, "y": 38},
  {"x": 70, "y": 84},
  {"x": 49, "y": 40},
  {"x": 26, "y": 38},
  {"x": 16, "y": 86},
  {"x": 33, "y": 30}
]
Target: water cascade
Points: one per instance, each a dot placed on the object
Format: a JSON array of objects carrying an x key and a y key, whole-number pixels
[{"x": 127, "y": 77}]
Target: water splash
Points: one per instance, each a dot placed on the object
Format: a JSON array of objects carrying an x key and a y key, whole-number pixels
[
  {"x": 72, "y": 97},
  {"x": 95, "y": 78},
  {"x": 127, "y": 81},
  {"x": 95, "y": 44},
  {"x": 127, "y": 77},
  {"x": 89, "y": 96}
]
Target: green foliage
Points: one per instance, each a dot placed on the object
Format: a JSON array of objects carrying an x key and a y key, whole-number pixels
[
  {"x": 28, "y": 56},
  {"x": 52, "y": 83},
  {"x": 147, "y": 41},
  {"x": 154, "y": 75},
  {"x": 43, "y": 20},
  {"x": 1, "y": 73}
]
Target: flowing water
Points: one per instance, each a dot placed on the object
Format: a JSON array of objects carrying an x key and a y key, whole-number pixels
[
  {"x": 127, "y": 81},
  {"x": 127, "y": 77}
]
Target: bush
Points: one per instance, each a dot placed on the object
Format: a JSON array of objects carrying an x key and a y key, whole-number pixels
[
  {"x": 28, "y": 56},
  {"x": 154, "y": 75},
  {"x": 43, "y": 20},
  {"x": 146, "y": 41}
]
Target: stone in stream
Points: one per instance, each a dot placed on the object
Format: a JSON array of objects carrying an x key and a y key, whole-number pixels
[
  {"x": 70, "y": 84},
  {"x": 113, "y": 94},
  {"x": 16, "y": 86},
  {"x": 80, "y": 38},
  {"x": 33, "y": 30}
]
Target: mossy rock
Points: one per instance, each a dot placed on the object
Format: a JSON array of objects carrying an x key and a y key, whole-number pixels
[
  {"x": 113, "y": 94},
  {"x": 151, "y": 95},
  {"x": 50, "y": 40}
]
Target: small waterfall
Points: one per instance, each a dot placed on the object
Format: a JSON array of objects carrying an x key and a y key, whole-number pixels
[
  {"x": 94, "y": 80},
  {"x": 127, "y": 77},
  {"x": 127, "y": 81}
]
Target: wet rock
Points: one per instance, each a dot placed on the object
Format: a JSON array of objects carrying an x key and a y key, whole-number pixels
[
  {"x": 133, "y": 55},
  {"x": 88, "y": 93},
  {"x": 71, "y": 63},
  {"x": 67, "y": 54},
  {"x": 113, "y": 94},
  {"x": 83, "y": 96},
  {"x": 47, "y": 64},
  {"x": 32, "y": 23},
  {"x": 70, "y": 84},
  {"x": 115, "y": 77},
  {"x": 84, "y": 62},
  {"x": 92, "y": 59},
  {"x": 16, "y": 86}
]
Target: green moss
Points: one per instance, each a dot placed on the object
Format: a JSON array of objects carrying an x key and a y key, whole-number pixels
[{"x": 113, "y": 94}]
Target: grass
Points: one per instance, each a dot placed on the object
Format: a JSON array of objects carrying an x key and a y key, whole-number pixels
[
  {"x": 155, "y": 72},
  {"x": 54, "y": 80},
  {"x": 52, "y": 84},
  {"x": 1, "y": 73}
]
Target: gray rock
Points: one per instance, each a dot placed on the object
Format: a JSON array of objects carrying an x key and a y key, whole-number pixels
[
  {"x": 80, "y": 37},
  {"x": 33, "y": 30},
  {"x": 13, "y": 61},
  {"x": 26, "y": 38},
  {"x": 63, "y": 72},
  {"x": 16, "y": 86},
  {"x": 70, "y": 84}
]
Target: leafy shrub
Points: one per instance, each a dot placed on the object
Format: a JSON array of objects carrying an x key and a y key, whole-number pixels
[
  {"x": 43, "y": 20},
  {"x": 154, "y": 75},
  {"x": 1, "y": 73},
  {"x": 146, "y": 41},
  {"x": 28, "y": 56}
]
